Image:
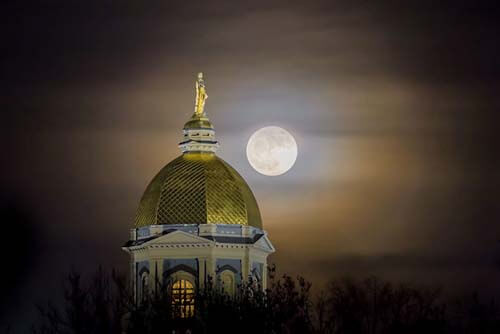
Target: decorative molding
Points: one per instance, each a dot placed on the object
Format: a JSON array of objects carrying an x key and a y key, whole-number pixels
[{"x": 180, "y": 267}]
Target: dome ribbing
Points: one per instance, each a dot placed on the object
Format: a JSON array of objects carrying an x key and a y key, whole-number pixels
[{"x": 198, "y": 188}]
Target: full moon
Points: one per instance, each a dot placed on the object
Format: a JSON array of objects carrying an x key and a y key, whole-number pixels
[{"x": 271, "y": 151}]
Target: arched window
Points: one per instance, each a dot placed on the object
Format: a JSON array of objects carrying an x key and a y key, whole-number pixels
[
  {"x": 228, "y": 283},
  {"x": 144, "y": 284},
  {"x": 183, "y": 297}
]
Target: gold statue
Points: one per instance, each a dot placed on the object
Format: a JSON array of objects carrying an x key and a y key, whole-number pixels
[{"x": 201, "y": 96}]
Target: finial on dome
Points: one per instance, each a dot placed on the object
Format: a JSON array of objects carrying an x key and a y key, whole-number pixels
[
  {"x": 201, "y": 96},
  {"x": 199, "y": 134}
]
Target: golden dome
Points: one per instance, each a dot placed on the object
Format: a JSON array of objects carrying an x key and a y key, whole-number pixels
[{"x": 198, "y": 188}]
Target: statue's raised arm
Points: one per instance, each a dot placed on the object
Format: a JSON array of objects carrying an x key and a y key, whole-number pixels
[{"x": 201, "y": 96}]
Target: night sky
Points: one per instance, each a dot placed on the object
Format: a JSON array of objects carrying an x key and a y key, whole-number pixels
[{"x": 393, "y": 105}]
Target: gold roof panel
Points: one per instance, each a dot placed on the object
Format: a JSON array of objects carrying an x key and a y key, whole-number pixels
[{"x": 198, "y": 188}]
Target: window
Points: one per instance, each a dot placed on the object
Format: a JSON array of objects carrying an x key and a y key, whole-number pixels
[
  {"x": 144, "y": 286},
  {"x": 183, "y": 297},
  {"x": 227, "y": 280}
]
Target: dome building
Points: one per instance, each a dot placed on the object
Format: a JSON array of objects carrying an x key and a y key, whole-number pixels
[{"x": 197, "y": 219}]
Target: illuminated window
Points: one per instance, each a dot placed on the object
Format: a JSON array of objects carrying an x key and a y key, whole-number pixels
[{"x": 183, "y": 297}]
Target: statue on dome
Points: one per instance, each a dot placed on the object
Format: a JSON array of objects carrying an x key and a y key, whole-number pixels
[{"x": 201, "y": 96}]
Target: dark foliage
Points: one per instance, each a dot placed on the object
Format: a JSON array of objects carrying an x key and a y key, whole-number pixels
[
  {"x": 347, "y": 306},
  {"x": 374, "y": 306}
]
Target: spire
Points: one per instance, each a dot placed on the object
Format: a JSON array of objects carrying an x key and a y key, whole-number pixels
[{"x": 199, "y": 134}]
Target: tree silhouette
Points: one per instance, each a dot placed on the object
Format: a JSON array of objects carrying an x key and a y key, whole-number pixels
[{"x": 105, "y": 304}]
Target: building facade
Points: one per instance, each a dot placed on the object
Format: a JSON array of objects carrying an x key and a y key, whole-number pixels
[{"x": 197, "y": 221}]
